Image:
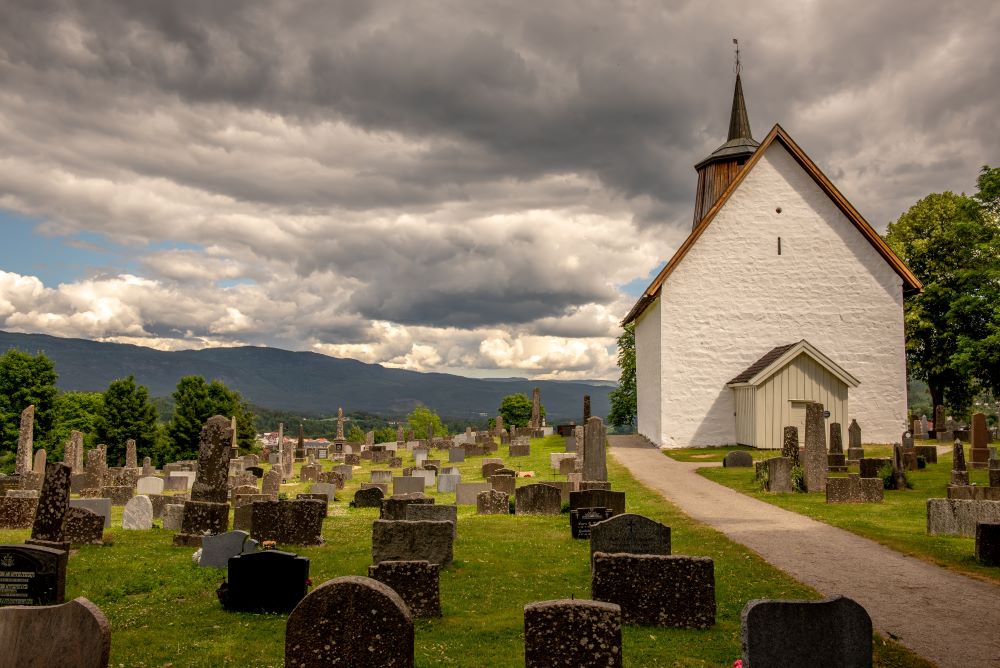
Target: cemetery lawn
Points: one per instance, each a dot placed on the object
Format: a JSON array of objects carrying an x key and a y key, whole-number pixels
[
  {"x": 164, "y": 612},
  {"x": 900, "y": 522}
]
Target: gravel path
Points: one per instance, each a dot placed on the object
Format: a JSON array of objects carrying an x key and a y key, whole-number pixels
[{"x": 945, "y": 617}]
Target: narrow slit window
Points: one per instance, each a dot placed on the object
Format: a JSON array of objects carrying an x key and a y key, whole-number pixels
[{"x": 779, "y": 245}]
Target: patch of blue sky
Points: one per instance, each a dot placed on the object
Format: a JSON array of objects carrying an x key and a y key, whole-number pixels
[
  {"x": 233, "y": 282},
  {"x": 634, "y": 288}
]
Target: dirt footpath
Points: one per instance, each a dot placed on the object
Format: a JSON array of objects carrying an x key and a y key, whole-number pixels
[{"x": 945, "y": 617}]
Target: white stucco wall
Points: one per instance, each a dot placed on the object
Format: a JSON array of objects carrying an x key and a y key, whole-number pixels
[
  {"x": 648, "y": 372},
  {"x": 733, "y": 298}
]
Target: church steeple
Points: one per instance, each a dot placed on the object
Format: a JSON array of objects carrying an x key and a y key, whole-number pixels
[{"x": 719, "y": 169}]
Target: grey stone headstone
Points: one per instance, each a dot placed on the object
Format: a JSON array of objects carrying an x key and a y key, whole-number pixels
[
  {"x": 814, "y": 462},
  {"x": 138, "y": 513},
  {"x": 537, "y": 499},
  {"x": 149, "y": 485},
  {"x": 492, "y": 502},
  {"x": 407, "y": 484},
  {"x": 833, "y": 632},
  {"x": 173, "y": 516},
  {"x": 738, "y": 459},
  {"x": 595, "y": 465},
  {"x": 53, "y": 502},
  {"x": 958, "y": 517},
  {"x": 572, "y": 633},
  {"x": 324, "y": 488},
  {"x": 404, "y": 540},
  {"x": 99, "y": 506},
  {"x": 72, "y": 634},
  {"x": 467, "y": 492},
  {"x": 779, "y": 475},
  {"x": 433, "y": 512},
  {"x": 631, "y": 534},
  {"x": 216, "y": 550},
  {"x": 333, "y": 625},
  {"x": 448, "y": 482}
]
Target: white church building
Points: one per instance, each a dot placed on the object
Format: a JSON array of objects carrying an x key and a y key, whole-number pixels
[{"x": 782, "y": 294}]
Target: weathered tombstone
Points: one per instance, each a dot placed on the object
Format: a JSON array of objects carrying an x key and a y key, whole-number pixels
[
  {"x": 939, "y": 419},
  {"x": 432, "y": 511},
  {"x": 291, "y": 522},
  {"x": 582, "y": 520},
  {"x": 416, "y": 582},
  {"x": 779, "y": 475},
  {"x": 394, "y": 507},
  {"x": 835, "y": 459},
  {"x": 833, "y": 632},
  {"x": 271, "y": 483},
  {"x": 504, "y": 483},
  {"x": 790, "y": 445},
  {"x": 520, "y": 447},
  {"x": 75, "y": 634},
  {"x": 657, "y": 590},
  {"x": 468, "y": 491},
  {"x": 456, "y": 455},
  {"x": 173, "y": 516},
  {"x": 147, "y": 467},
  {"x": 959, "y": 517},
  {"x": 216, "y": 550},
  {"x": 979, "y": 439},
  {"x": 138, "y": 513},
  {"x": 403, "y": 540},
  {"x": 577, "y": 633},
  {"x": 537, "y": 499},
  {"x": 82, "y": 527},
  {"x": 131, "y": 462},
  {"x": 266, "y": 581},
  {"x": 448, "y": 482},
  {"x": 32, "y": 575},
  {"x": 630, "y": 534},
  {"x": 17, "y": 512},
  {"x": 149, "y": 485},
  {"x": 908, "y": 454},
  {"x": 25, "y": 441},
  {"x": 814, "y": 462},
  {"x": 38, "y": 465},
  {"x": 738, "y": 459},
  {"x": 598, "y": 498},
  {"x": 490, "y": 468},
  {"x": 53, "y": 502},
  {"x": 407, "y": 484},
  {"x": 368, "y": 498},
  {"x": 492, "y": 502},
  {"x": 595, "y": 465},
  {"x": 854, "y": 489},
  {"x": 854, "y": 450},
  {"x": 535, "y": 424},
  {"x": 869, "y": 466},
  {"x": 100, "y": 506},
  {"x": 959, "y": 473},
  {"x": 350, "y": 621},
  {"x": 208, "y": 511},
  {"x": 988, "y": 543}
]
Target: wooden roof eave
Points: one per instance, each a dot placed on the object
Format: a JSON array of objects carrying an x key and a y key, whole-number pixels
[{"x": 911, "y": 284}]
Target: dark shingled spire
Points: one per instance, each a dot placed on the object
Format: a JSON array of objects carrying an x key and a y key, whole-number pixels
[{"x": 739, "y": 122}]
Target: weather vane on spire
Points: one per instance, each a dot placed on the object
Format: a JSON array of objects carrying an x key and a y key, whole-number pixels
[{"x": 736, "y": 68}]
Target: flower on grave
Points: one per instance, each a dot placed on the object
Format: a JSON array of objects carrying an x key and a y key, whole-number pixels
[
  {"x": 309, "y": 582},
  {"x": 268, "y": 545},
  {"x": 738, "y": 663}
]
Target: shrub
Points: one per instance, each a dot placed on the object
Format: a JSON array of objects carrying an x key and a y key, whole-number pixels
[{"x": 798, "y": 479}]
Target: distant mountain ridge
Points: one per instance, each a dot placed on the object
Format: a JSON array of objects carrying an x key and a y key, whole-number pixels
[{"x": 301, "y": 381}]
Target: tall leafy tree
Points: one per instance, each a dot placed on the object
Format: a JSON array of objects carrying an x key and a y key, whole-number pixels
[
  {"x": 516, "y": 410},
  {"x": 25, "y": 380},
  {"x": 125, "y": 413},
  {"x": 624, "y": 409},
  {"x": 195, "y": 401},
  {"x": 952, "y": 243},
  {"x": 420, "y": 420},
  {"x": 75, "y": 411}
]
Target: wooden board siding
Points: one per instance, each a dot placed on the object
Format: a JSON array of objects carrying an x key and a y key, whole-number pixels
[
  {"x": 712, "y": 182},
  {"x": 802, "y": 379},
  {"x": 746, "y": 416}
]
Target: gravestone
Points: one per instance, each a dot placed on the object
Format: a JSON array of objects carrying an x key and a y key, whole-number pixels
[
  {"x": 537, "y": 499},
  {"x": 979, "y": 440},
  {"x": 38, "y": 466},
  {"x": 271, "y": 483},
  {"x": 368, "y": 498},
  {"x": 407, "y": 484},
  {"x": 32, "y": 575},
  {"x": 854, "y": 450},
  {"x": 416, "y": 582},
  {"x": 467, "y": 492},
  {"x": 576, "y": 633},
  {"x": 854, "y": 489},
  {"x": 598, "y": 498},
  {"x": 53, "y": 502},
  {"x": 567, "y": 466},
  {"x": 447, "y": 483},
  {"x": 147, "y": 467},
  {"x": 138, "y": 513},
  {"x": 535, "y": 424},
  {"x": 208, "y": 510},
  {"x": 504, "y": 483},
  {"x": 394, "y": 508},
  {"x": 25, "y": 441},
  {"x": 520, "y": 448},
  {"x": 492, "y": 502},
  {"x": 988, "y": 543},
  {"x": 814, "y": 462},
  {"x": 586, "y": 408},
  {"x": 75, "y": 634},
  {"x": 82, "y": 527},
  {"x": 928, "y": 452},
  {"x": 630, "y": 534},
  {"x": 173, "y": 516},
  {"x": 779, "y": 475},
  {"x": 131, "y": 462},
  {"x": 833, "y": 632},
  {"x": 489, "y": 468},
  {"x": 595, "y": 465},
  {"x": 959, "y": 473},
  {"x": 350, "y": 621},
  {"x": 657, "y": 590},
  {"x": 869, "y": 466},
  {"x": 790, "y": 445},
  {"x": 432, "y": 511},
  {"x": 216, "y": 550},
  {"x": 738, "y": 459},
  {"x": 149, "y": 485},
  {"x": 582, "y": 520},
  {"x": 959, "y": 517},
  {"x": 404, "y": 540},
  {"x": 100, "y": 506},
  {"x": 835, "y": 459},
  {"x": 17, "y": 512},
  {"x": 266, "y": 581},
  {"x": 290, "y": 522},
  {"x": 456, "y": 455}
]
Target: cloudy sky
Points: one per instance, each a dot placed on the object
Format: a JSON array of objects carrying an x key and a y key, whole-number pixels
[{"x": 470, "y": 187}]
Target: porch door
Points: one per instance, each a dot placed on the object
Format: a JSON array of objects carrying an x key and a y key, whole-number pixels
[{"x": 797, "y": 418}]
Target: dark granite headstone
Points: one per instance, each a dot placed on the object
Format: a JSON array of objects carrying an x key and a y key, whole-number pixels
[
  {"x": 403, "y": 540},
  {"x": 656, "y": 590},
  {"x": 854, "y": 450},
  {"x": 869, "y": 466},
  {"x": 576, "y": 633},
  {"x": 83, "y": 527},
  {"x": 268, "y": 581},
  {"x": 292, "y": 522},
  {"x": 53, "y": 502},
  {"x": 959, "y": 472},
  {"x": 32, "y": 575},
  {"x": 582, "y": 519},
  {"x": 394, "y": 508},
  {"x": 598, "y": 498},
  {"x": 537, "y": 499},
  {"x": 833, "y": 632},
  {"x": 350, "y": 621},
  {"x": 988, "y": 543},
  {"x": 630, "y": 534},
  {"x": 738, "y": 459},
  {"x": 416, "y": 582},
  {"x": 368, "y": 498}
]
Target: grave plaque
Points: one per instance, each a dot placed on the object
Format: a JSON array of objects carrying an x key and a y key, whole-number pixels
[
  {"x": 32, "y": 575},
  {"x": 582, "y": 519},
  {"x": 268, "y": 581}
]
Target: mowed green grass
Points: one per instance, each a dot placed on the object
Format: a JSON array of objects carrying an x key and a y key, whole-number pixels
[
  {"x": 900, "y": 522},
  {"x": 164, "y": 612}
]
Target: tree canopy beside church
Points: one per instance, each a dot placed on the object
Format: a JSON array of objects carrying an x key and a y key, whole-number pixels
[
  {"x": 624, "y": 409},
  {"x": 952, "y": 243}
]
